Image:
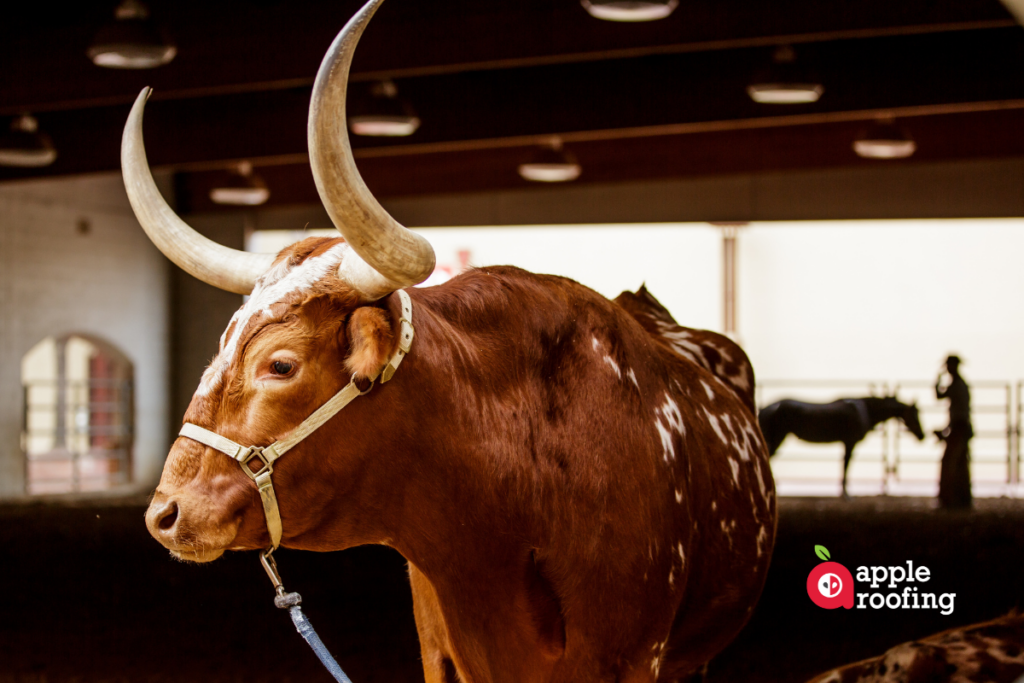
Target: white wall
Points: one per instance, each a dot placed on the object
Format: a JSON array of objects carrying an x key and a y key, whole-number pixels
[
  {"x": 681, "y": 263},
  {"x": 883, "y": 299},
  {"x": 110, "y": 282}
]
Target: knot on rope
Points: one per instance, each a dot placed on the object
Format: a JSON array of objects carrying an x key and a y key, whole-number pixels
[{"x": 287, "y": 600}]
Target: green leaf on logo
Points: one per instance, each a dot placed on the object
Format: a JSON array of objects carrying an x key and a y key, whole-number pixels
[{"x": 822, "y": 552}]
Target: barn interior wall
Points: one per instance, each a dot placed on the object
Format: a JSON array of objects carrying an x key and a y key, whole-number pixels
[
  {"x": 972, "y": 189},
  {"x": 73, "y": 259},
  {"x": 200, "y": 313}
]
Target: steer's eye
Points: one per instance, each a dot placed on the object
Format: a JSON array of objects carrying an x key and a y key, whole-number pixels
[{"x": 281, "y": 367}]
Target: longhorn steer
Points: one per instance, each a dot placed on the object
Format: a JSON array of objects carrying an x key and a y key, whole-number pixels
[{"x": 577, "y": 498}]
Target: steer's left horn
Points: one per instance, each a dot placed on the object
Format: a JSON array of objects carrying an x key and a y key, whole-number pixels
[
  {"x": 217, "y": 265},
  {"x": 392, "y": 256}
]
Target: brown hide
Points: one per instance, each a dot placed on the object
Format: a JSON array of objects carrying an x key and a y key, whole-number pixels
[
  {"x": 715, "y": 352},
  {"x": 577, "y": 501},
  {"x": 989, "y": 652}
]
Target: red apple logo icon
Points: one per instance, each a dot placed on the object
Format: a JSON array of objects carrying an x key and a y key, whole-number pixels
[{"x": 830, "y": 584}]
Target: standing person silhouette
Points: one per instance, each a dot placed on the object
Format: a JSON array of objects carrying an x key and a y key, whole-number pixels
[{"x": 955, "y": 473}]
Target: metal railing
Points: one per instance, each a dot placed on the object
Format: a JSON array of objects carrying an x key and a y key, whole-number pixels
[{"x": 890, "y": 460}]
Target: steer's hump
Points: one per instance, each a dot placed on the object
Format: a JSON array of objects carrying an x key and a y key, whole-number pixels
[{"x": 714, "y": 352}]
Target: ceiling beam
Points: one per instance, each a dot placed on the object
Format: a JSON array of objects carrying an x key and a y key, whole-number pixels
[
  {"x": 981, "y": 135},
  {"x": 586, "y": 102},
  {"x": 230, "y": 48}
]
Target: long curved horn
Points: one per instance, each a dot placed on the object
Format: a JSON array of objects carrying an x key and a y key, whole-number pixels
[
  {"x": 217, "y": 265},
  {"x": 391, "y": 256}
]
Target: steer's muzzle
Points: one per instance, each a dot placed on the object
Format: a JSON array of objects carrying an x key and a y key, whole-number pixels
[{"x": 183, "y": 524}]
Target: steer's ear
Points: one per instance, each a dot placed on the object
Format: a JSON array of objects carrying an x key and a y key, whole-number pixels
[{"x": 370, "y": 338}]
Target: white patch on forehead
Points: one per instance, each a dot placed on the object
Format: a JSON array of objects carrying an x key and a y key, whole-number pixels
[{"x": 277, "y": 283}]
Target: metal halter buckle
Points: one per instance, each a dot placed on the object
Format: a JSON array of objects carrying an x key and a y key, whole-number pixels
[
  {"x": 255, "y": 452},
  {"x": 361, "y": 392}
]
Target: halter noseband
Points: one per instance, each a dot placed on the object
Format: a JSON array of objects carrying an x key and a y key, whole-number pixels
[{"x": 268, "y": 455}]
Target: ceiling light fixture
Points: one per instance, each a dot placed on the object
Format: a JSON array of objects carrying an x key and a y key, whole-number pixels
[
  {"x": 784, "y": 82},
  {"x": 884, "y": 140},
  {"x": 25, "y": 146},
  {"x": 383, "y": 113},
  {"x": 242, "y": 187},
  {"x": 630, "y": 10},
  {"x": 551, "y": 164},
  {"x": 131, "y": 41}
]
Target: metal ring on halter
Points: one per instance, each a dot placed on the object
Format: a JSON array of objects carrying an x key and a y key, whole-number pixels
[
  {"x": 361, "y": 392},
  {"x": 255, "y": 453}
]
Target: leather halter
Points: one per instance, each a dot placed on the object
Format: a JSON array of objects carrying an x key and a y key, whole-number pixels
[{"x": 268, "y": 455}]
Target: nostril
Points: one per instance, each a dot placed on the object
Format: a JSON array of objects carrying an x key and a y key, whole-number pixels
[{"x": 169, "y": 516}]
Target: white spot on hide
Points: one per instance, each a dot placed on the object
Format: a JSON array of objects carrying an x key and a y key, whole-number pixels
[
  {"x": 707, "y": 390},
  {"x": 673, "y": 423},
  {"x": 762, "y": 538},
  {"x": 717, "y": 427}
]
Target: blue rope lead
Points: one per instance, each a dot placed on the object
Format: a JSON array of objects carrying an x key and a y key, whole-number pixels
[
  {"x": 306, "y": 630},
  {"x": 292, "y": 602}
]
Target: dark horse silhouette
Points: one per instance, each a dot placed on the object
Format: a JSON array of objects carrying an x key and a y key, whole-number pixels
[{"x": 847, "y": 421}]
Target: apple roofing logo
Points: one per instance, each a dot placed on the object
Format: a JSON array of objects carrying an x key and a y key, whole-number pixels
[{"x": 830, "y": 584}]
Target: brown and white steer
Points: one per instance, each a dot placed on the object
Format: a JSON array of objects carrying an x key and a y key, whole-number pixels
[
  {"x": 578, "y": 499},
  {"x": 989, "y": 652}
]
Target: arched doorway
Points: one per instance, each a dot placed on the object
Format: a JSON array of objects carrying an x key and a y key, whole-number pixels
[{"x": 78, "y": 422}]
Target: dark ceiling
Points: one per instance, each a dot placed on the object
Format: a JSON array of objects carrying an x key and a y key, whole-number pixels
[{"x": 490, "y": 79}]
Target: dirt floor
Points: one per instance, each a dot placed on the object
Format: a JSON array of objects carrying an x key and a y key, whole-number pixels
[{"x": 89, "y": 597}]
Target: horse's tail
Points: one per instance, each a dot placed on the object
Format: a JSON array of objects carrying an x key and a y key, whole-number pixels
[{"x": 770, "y": 428}]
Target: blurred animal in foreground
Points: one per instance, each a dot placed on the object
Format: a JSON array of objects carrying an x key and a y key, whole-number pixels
[
  {"x": 989, "y": 652},
  {"x": 846, "y": 421}
]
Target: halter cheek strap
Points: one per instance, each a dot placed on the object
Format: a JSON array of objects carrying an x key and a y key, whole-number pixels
[{"x": 268, "y": 455}]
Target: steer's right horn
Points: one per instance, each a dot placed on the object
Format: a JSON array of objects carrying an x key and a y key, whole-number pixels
[
  {"x": 390, "y": 256},
  {"x": 217, "y": 265}
]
